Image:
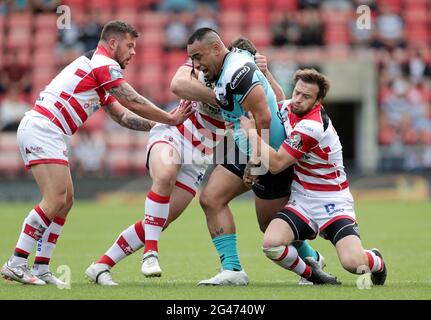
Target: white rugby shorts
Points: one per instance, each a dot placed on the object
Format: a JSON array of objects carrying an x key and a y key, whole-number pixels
[
  {"x": 193, "y": 163},
  {"x": 41, "y": 141},
  {"x": 319, "y": 213}
]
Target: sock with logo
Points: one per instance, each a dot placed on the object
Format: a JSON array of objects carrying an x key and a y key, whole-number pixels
[
  {"x": 226, "y": 246},
  {"x": 130, "y": 240},
  {"x": 32, "y": 230}
]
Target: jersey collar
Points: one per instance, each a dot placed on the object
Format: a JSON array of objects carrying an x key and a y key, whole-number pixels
[{"x": 102, "y": 50}]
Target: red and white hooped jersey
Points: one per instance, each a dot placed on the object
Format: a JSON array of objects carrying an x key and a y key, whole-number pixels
[
  {"x": 79, "y": 90},
  {"x": 319, "y": 171},
  {"x": 203, "y": 128}
]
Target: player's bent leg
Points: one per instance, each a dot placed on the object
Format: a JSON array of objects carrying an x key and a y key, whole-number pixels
[
  {"x": 266, "y": 210},
  {"x": 47, "y": 244},
  {"x": 164, "y": 163},
  {"x": 344, "y": 234},
  {"x": 277, "y": 246},
  {"x": 358, "y": 261},
  {"x": 222, "y": 187},
  {"x": 52, "y": 180},
  {"x": 133, "y": 238}
]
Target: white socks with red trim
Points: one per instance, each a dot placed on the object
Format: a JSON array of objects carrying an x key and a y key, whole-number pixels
[
  {"x": 130, "y": 240},
  {"x": 33, "y": 228},
  {"x": 156, "y": 214},
  {"x": 288, "y": 258},
  {"x": 46, "y": 245}
]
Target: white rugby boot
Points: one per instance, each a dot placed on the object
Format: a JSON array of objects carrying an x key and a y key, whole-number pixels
[
  {"x": 100, "y": 273},
  {"x": 21, "y": 274},
  {"x": 49, "y": 278},
  {"x": 150, "y": 264},
  {"x": 227, "y": 278}
]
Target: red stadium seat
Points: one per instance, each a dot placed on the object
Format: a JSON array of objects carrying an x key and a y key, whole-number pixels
[
  {"x": 10, "y": 163},
  {"x": 285, "y": 5},
  {"x": 231, "y": 4},
  {"x": 416, "y": 16},
  {"x": 395, "y": 5},
  {"x": 417, "y": 33},
  {"x": 23, "y": 20},
  {"x": 119, "y": 140},
  {"x": 8, "y": 142},
  {"x": 45, "y": 22},
  {"x": 176, "y": 58},
  {"x": 152, "y": 20},
  {"x": 260, "y": 35},
  {"x": 119, "y": 162},
  {"x": 258, "y": 15},
  {"x": 231, "y": 19}
]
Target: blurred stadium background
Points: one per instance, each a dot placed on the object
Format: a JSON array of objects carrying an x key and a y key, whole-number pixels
[
  {"x": 380, "y": 100},
  {"x": 381, "y": 77}
]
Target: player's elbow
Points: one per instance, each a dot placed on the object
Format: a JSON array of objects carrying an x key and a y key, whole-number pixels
[
  {"x": 177, "y": 86},
  {"x": 264, "y": 120}
]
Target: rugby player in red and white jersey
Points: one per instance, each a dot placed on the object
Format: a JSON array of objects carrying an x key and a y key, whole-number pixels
[
  {"x": 177, "y": 158},
  {"x": 321, "y": 201},
  {"x": 90, "y": 82}
]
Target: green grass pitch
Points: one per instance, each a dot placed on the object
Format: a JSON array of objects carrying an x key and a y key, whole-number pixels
[{"x": 399, "y": 229}]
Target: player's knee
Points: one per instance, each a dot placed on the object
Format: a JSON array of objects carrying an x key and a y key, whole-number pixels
[
  {"x": 208, "y": 201},
  {"x": 273, "y": 252},
  {"x": 352, "y": 262},
  {"x": 165, "y": 179}
]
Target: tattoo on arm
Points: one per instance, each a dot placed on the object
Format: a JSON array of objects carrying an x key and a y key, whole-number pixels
[
  {"x": 135, "y": 123},
  {"x": 124, "y": 91},
  {"x": 128, "y": 119}
]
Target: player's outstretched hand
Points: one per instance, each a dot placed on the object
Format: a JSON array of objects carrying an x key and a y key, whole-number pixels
[
  {"x": 261, "y": 62},
  {"x": 184, "y": 111}
]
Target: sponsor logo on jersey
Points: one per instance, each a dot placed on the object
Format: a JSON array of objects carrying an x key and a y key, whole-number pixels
[
  {"x": 115, "y": 73},
  {"x": 94, "y": 104},
  {"x": 238, "y": 76},
  {"x": 295, "y": 141}
]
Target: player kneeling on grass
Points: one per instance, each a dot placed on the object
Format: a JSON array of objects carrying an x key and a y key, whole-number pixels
[{"x": 321, "y": 201}]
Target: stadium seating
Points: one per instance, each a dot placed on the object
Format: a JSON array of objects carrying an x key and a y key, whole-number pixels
[{"x": 36, "y": 36}]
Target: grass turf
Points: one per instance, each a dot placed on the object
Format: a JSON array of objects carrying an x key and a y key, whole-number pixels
[{"x": 398, "y": 229}]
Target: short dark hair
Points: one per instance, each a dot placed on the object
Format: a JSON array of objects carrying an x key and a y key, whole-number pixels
[
  {"x": 117, "y": 27},
  {"x": 199, "y": 34},
  {"x": 314, "y": 77},
  {"x": 244, "y": 44}
]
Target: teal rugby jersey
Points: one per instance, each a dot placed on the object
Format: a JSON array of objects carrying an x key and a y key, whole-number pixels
[{"x": 239, "y": 75}]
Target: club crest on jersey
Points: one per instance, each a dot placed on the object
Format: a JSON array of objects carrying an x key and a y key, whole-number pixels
[
  {"x": 94, "y": 104},
  {"x": 238, "y": 76},
  {"x": 295, "y": 141},
  {"x": 115, "y": 73}
]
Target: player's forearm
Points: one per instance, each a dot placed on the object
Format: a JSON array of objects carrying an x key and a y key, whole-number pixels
[
  {"x": 126, "y": 118},
  {"x": 191, "y": 89},
  {"x": 134, "y": 122},
  {"x": 140, "y": 105},
  {"x": 265, "y": 153}
]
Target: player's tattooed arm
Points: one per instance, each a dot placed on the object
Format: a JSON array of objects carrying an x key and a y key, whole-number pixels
[
  {"x": 133, "y": 101},
  {"x": 125, "y": 93},
  {"x": 126, "y": 118}
]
